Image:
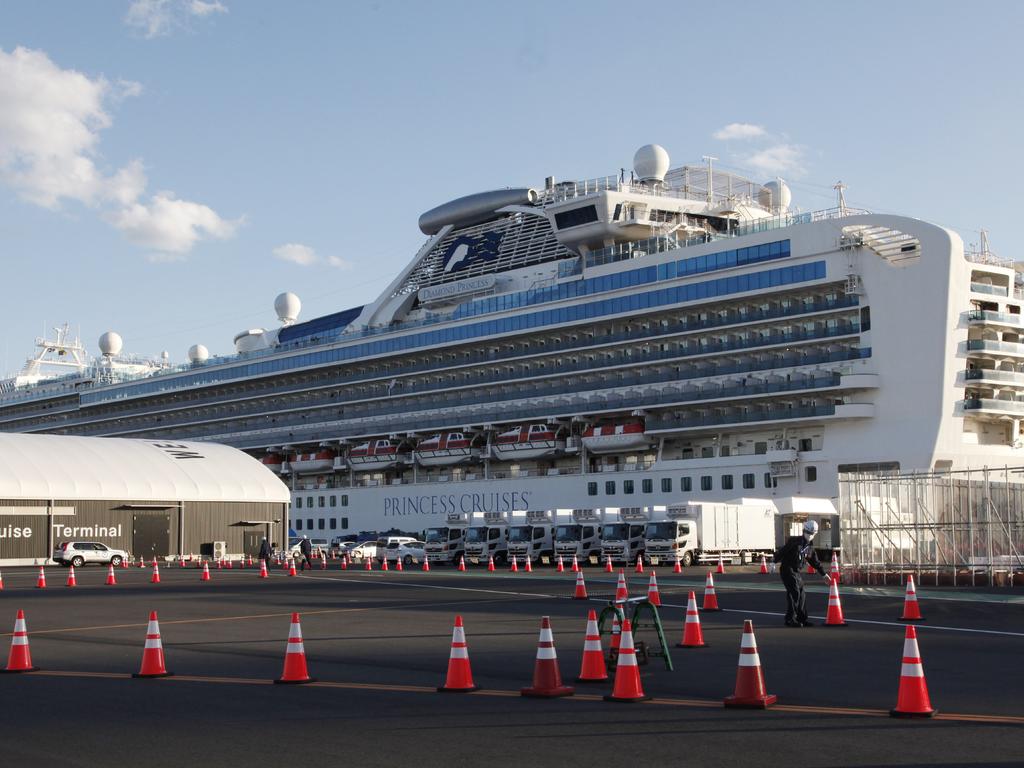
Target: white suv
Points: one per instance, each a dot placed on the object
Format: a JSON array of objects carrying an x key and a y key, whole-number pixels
[{"x": 79, "y": 553}]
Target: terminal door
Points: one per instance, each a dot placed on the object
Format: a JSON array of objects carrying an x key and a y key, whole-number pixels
[
  {"x": 251, "y": 540},
  {"x": 151, "y": 535}
]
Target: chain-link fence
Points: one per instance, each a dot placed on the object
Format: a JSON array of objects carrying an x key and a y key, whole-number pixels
[{"x": 962, "y": 528}]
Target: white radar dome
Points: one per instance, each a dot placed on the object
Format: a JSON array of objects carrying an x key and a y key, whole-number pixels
[
  {"x": 651, "y": 162},
  {"x": 287, "y": 306},
  {"x": 197, "y": 353},
  {"x": 111, "y": 344},
  {"x": 775, "y": 195}
]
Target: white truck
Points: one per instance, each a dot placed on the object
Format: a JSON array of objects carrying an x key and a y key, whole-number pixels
[
  {"x": 700, "y": 532},
  {"x": 488, "y": 540},
  {"x": 622, "y": 537},
  {"x": 446, "y": 544},
  {"x": 581, "y": 537},
  {"x": 534, "y": 538}
]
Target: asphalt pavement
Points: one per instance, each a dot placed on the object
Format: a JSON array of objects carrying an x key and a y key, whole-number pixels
[{"x": 378, "y": 644}]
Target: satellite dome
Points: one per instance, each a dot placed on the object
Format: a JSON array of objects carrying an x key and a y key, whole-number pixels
[
  {"x": 197, "y": 353},
  {"x": 287, "y": 306},
  {"x": 775, "y": 195},
  {"x": 651, "y": 162},
  {"x": 111, "y": 344}
]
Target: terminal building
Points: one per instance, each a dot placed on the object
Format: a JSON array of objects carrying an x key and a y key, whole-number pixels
[{"x": 151, "y": 498}]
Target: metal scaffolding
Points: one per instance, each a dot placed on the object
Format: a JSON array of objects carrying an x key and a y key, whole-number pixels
[{"x": 959, "y": 528}]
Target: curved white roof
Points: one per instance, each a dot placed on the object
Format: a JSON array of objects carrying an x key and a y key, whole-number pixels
[{"x": 61, "y": 467}]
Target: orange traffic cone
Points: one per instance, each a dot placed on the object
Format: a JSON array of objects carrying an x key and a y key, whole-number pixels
[
  {"x": 490, "y": 563},
  {"x": 912, "y": 700},
  {"x": 527, "y": 565},
  {"x": 205, "y": 575},
  {"x": 593, "y": 669},
  {"x": 426, "y": 564},
  {"x": 575, "y": 564},
  {"x": 249, "y": 562},
  {"x": 678, "y": 567},
  {"x": 291, "y": 567},
  {"x": 384, "y": 564},
  {"x": 41, "y": 579},
  {"x": 153, "y": 652},
  {"x": 581, "y": 588},
  {"x": 155, "y": 578},
  {"x": 460, "y": 677},
  {"x": 547, "y": 680},
  {"x": 111, "y": 579},
  {"x": 608, "y": 564},
  {"x": 264, "y": 573},
  {"x": 750, "y": 692},
  {"x": 71, "y": 582},
  {"x": 230, "y": 564},
  {"x": 764, "y": 565},
  {"x": 653, "y": 596},
  {"x": 911, "y": 610},
  {"x": 124, "y": 563},
  {"x": 220, "y": 564},
  {"x": 295, "y": 656},
  {"x": 323, "y": 563},
  {"x": 834, "y": 570},
  {"x": 613, "y": 648},
  {"x": 142, "y": 562},
  {"x": 721, "y": 565},
  {"x": 398, "y": 565},
  {"x": 515, "y": 565},
  {"x": 20, "y": 658},
  {"x": 835, "y": 608},
  {"x": 560, "y": 568},
  {"x": 639, "y": 564},
  {"x": 621, "y": 593},
  {"x": 462, "y": 563},
  {"x": 710, "y": 598},
  {"x": 693, "y": 637},
  {"x": 368, "y": 564},
  {"x": 344, "y": 562},
  {"x": 627, "y": 674}
]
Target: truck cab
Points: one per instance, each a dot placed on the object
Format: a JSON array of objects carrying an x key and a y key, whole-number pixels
[
  {"x": 622, "y": 539},
  {"x": 446, "y": 544},
  {"x": 673, "y": 536},
  {"x": 581, "y": 537},
  {"x": 534, "y": 539},
  {"x": 488, "y": 540}
]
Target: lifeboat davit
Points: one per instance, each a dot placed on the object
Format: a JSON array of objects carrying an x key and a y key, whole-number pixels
[
  {"x": 445, "y": 448},
  {"x": 616, "y": 437},
  {"x": 273, "y": 462},
  {"x": 377, "y": 455},
  {"x": 321, "y": 461},
  {"x": 528, "y": 441}
]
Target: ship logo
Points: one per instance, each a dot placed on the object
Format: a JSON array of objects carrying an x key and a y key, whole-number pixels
[{"x": 467, "y": 250}]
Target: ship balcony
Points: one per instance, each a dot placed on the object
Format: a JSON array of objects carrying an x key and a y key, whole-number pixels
[
  {"x": 995, "y": 378},
  {"x": 999, "y": 409},
  {"x": 989, "y": 290},
  {"x": 995, "y": 350},
  {"x": 989, "y": 319},
  {"x": 745, "y": 418}
]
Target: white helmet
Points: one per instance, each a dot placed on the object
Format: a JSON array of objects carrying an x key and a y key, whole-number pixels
[{"x": 810, "y": 527}]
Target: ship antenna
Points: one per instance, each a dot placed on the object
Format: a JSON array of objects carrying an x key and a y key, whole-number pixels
[
  {"x": 984, "y": 245},
  {"x": 711, "y": 185},
  {"x": 841, "y": 198}
]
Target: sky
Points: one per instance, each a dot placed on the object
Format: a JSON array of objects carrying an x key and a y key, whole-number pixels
[{"x": 167, "y": 167}]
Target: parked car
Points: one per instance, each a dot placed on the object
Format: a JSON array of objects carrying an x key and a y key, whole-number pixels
[
  {"x": 295, "y": 541},
  {"x": 387, "y": 547},
  {"x": 363, "y": 550},
  {"x": 410, "y": 552},
  {"x": 79, "y": 553}
]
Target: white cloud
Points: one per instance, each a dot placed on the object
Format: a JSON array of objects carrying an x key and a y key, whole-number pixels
[
  {"x": 51, "y": 121},
  {"x": 305, "y": 256},
  {"x": 159, "y": 18},
  {"x": 171, "y": 225},
  {"x": 778, "y": 159},
  {"x": 738, "y": 132}
]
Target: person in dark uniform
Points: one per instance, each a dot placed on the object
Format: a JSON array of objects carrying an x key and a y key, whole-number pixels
[
  {"x": 306, "y": 548},
  {"x": 791, "y": 558},
  {"x": 266, "y": 551}
]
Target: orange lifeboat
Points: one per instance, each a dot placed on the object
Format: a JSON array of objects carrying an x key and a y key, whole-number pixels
[
  {"x": 445, "y": 448},
  {"x": 527, "y": 441},
  {"x": 321, "y": 461},
  {"x": 615, "y": 437},
  {"x": 273, "y": 462},
  {"x": 377, "y": 455}
]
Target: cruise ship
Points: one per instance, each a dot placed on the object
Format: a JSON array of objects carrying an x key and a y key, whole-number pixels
[{"x": 643, "y": 339}]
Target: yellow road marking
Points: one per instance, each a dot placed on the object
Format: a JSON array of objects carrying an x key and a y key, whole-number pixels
[{"x": 671, "y": 702}]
